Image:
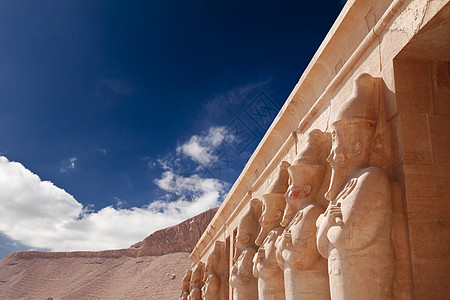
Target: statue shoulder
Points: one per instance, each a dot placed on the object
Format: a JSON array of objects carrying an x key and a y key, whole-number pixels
[
  {"x": 313, "y": 210},
  {"x": 373, "y": 178}
]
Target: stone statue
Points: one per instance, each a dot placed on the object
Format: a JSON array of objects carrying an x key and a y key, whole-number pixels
[
  {"x": 354, "y": 233},
  {"x": 185, "y": 288},
  {"x": 245, "y": 285},
  {"x": 196, "y": 282},
  {"x": 305, "y": 271},
  {"x": 214, "y": 272},
  {"x": 265, "y": 266}
]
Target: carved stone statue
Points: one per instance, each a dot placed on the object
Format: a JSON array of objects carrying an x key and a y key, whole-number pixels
[
  {"x": 214, "y": 271},
  {"x": 305, "y": 271},
  {"x": 245, "y": 285},
  {"x": 354, "y": 233},
  {"x": 185, "y": 288},
  {"x": 197, "y": 283},
  {"x": 265, "y": 266}
]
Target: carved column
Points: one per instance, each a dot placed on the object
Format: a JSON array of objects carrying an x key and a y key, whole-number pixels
[
  {"x": 214, "y": 273},
  {"x": 265, "y": 268},
  {"x": 305, "y": 271},
  {"x": 197, "y": 282},
  {"x": 245, "y": 285},
  {"x": 185, "y": 288},
  {"x": 354, "y": 233}
]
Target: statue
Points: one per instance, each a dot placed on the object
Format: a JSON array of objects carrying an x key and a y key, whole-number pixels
[
  {"x": 354, "y": 233},
  {"x": 265, "y": 266},
  {"x": 214, "y": 271},
  {"x": 305, "y": 271},
  {"x": 197, "y": 282},
  {"x": 186, "y": 285},
  {"x": 245, "y": 285}
]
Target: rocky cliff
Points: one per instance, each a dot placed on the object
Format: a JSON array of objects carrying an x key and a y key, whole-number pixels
[{"x": 150, "y": 269}]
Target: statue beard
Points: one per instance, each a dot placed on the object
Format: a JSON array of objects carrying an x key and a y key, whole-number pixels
[
  {"x": 262, "y": 235},
  {"x": 339, "y": 174},
  {"x": 290, "y": 210},
  {"x": 289, "y": 213}
]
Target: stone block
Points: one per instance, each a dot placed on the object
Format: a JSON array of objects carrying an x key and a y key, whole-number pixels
[
  {"x": 428, "y": 209},
  {"x": 440, "y": 139},
  {"x": 413, "y": 86},
  {"x": 415, "y": 139},
  {"x": 441, "y": 87}
]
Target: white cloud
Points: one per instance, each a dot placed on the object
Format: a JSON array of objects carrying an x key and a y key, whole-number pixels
[
  {"x": 201, "y": 148},
  {"x": 41, "y": 215},
  {"x": 68, "y": 165}
]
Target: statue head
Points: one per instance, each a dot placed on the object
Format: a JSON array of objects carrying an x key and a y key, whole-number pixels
[
  {"x": 186, "y": 280},
  {"x": 273, "y": 203},
  {"x": 353, "y": 132},
  {"x": 213, "y": 259},
  {"x": 197, "y": 275},
  {"x": 213, "y": 268},
  {"x": 248, "y": 226},
  {"x": 306, "y": 173}
]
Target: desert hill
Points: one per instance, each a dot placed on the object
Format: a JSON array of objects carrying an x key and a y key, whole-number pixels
[{"x": 150, "y": 269}]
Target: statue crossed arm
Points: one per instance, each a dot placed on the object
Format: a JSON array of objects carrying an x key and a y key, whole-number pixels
[
  {"x": 297, "y": 245},
  {"x": 364, "y": 212}
]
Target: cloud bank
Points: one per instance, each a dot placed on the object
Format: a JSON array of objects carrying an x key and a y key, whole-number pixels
[{"x": 39, "y": 214}]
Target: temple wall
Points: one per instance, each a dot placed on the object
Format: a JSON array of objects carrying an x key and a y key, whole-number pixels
[{"x": 406, "y": 44}]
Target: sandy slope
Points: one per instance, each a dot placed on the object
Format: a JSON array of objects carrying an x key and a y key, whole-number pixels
[{"x": 147, "y": 277}]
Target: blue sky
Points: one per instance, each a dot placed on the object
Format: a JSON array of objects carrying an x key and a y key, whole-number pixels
[{"x": 123, "y": 117}]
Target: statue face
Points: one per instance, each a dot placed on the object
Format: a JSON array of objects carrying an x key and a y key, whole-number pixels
[
  {"x": 269, "y": 216},
  {"x": 347, "y": 154},
  {"x": 242, "y": 238},
  {"x": 210, "y": 264},
  {"x": 338, "y": 157},
  {"x": 273, "y": 208},
  {"x": 292, "y": 193}
]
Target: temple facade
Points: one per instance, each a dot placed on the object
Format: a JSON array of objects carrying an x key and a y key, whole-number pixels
[{"x": 347, "y": 196}]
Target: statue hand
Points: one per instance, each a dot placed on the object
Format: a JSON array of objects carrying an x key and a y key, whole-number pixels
[
  {"x": 234, "y": 269},
  {"x": 333, "y": 215},
  {"x": 261, "y": 253},
  {"x": 287, "y": 240}
]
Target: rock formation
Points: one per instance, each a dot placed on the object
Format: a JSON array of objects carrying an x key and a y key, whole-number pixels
[{"x": 179, "y": 238}]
